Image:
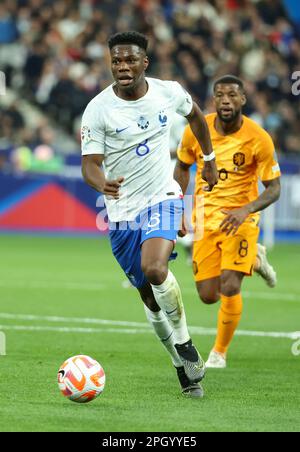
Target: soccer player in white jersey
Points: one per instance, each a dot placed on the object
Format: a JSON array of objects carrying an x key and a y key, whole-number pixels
[{"x": 126, "y": 130}]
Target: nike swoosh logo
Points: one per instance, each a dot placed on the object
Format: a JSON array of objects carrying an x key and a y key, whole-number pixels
[
  {"x": 226, "y": 323},
  {"x": 238, "y": 263},
  {"x": 171, "y": 312},
  {"x": 121, "y": 130}
]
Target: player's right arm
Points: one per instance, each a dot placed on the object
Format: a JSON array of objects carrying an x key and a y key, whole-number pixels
[
  {"x": 185, "y": 159},
  {"x": 269, "y": 173},
  {"x": 182, "y": 175},
  {"x": 94, "y": 176},
  {"x": 93, "y": 150}
]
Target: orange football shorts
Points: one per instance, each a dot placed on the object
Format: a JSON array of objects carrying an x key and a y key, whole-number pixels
[{"x": 217, "y": 252}]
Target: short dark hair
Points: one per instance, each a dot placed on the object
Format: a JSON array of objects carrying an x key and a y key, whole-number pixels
[
  {"x": 129, "y": 37},
  {"x": 226, "y": 79}
]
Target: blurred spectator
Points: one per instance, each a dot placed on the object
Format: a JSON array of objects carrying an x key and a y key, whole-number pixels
[
  {"x": 11, "y": 125},
  {"x": 41, "y": 160},
  {"x": 8, "y": 28},
  {"x": 55, "y": 54}
]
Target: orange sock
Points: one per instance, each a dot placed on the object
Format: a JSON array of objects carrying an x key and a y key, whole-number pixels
[{"x": 229, "y": 316}]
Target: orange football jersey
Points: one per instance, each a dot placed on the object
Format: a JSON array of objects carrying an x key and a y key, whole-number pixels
[{"x": 242, "y": 158}]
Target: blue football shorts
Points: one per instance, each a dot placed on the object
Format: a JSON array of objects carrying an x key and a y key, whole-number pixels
[{"x": 126, "y": 237}]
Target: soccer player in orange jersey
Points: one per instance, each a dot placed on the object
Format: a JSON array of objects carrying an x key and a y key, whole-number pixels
[{"x": 228, "y": 249}]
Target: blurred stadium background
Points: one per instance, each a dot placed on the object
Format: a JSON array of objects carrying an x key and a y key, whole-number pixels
[{"x": 54, "y": 59}]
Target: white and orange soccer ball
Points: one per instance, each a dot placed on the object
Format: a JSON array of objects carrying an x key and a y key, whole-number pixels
[{"x": 81, "y": 378}]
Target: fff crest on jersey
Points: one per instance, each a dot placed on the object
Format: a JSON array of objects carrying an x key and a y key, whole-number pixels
[
  {"x": 143, "y": 123},
  {"x": 163, "y": 119},
  {"x": 239, "y": 159}
]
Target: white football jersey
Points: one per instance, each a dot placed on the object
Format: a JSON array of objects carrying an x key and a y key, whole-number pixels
[{"x": 134, "y": 138}]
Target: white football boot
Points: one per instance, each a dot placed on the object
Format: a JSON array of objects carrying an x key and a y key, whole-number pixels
[
  {"x": 266, "y": 271},
  {"x": 216, "y": 360}
]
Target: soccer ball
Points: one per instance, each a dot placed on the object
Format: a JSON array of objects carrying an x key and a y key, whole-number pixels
[{"x": 81, "y": 379}]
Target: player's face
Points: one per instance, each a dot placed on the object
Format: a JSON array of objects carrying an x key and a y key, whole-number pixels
[
  {"x": 128, "y": 65},
  {"x": 229, "y": 100}
]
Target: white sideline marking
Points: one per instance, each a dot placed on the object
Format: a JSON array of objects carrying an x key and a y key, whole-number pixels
[
  {"x": 4, "y": 315},
  {"x": 271, "y": 295},
  {"x": 63, "y": 329},
  {"x": 50, "y": 285},
  {"x": 134, "y": 327},
  {"x": 70, "y": 285}
]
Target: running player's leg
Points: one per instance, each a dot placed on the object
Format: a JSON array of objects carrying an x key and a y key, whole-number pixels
[
  {"x": 160, "y": 225},
  {"x": 209, "y": 290},
  {"x": 238, "y": 255},
  {"x": 229, "y": 316},
  {"x": 159, "y": 323},
  {"x": 126, "y": 249},
  {"x": 207, "y": 268},
  {"x": 155, "y": 257},
  {"x": 165, "y": 334}
]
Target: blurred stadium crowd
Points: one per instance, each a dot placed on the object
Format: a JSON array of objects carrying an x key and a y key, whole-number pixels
[{"x": 55, "y": 58}]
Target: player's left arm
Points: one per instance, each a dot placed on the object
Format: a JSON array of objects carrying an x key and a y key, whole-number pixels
[
  {"x": 268, "y": 171},
  {"x": 200, "y": 129},
  {"x": 270, "y": 195},
  {"x": 234, "y": 218}
]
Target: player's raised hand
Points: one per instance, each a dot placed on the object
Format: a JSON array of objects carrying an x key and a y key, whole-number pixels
[
  {"x": 112, "y": 187},
  {"x": 233, "y": 219},
  {"x": 210, "y": 175}
]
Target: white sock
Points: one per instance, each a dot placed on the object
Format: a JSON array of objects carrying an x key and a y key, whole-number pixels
[
  {"x": 164, "y": 332},
  {"x": 168, "y": 297}
]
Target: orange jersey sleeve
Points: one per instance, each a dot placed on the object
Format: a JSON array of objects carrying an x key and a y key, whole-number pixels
[
  {"x": 186, "y": 151},
  {"x": 265, "y": 156}
]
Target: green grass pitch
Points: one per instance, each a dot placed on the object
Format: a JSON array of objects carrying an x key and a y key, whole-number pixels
[{"x": 76, "y": 279}]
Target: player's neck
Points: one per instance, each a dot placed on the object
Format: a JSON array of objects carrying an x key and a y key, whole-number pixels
[
  {"x": 227, "y": 128},
  {"x": 132, "y": 94}
]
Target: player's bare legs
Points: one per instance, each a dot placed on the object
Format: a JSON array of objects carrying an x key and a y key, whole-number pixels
[
  {"x": 228, "y": 288},
  {"x": 154, "y": 263},
  {"x": 209, "y": 290},
  {"x": 147, "y": 296},
  {"x": 231, "y": 282},
  {"x": 155, "y": 258}
]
